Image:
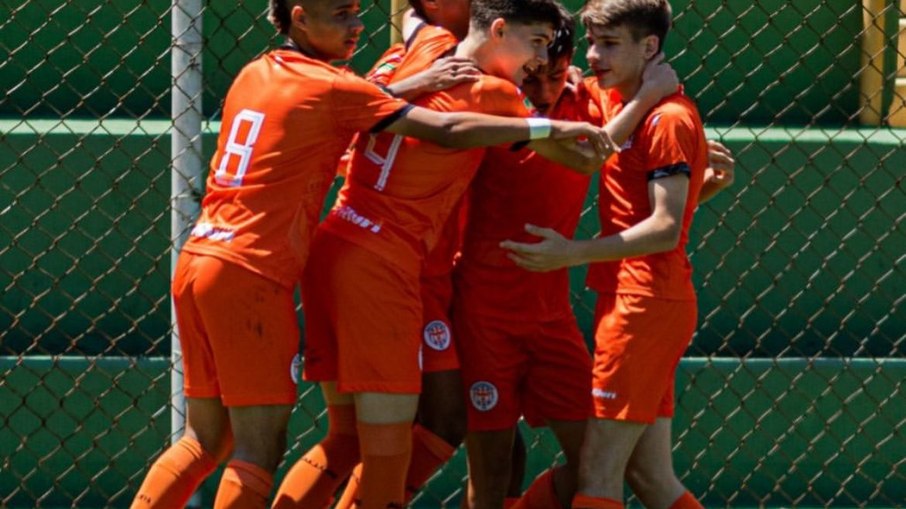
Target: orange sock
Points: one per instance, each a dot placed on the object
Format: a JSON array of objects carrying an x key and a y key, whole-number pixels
[
  {"x": 244, "y": 485},
  {"x": 386, "y": 449},
  {"x": 541, "y": 494},
  {"x": 429, "y": 452},
  {"x": 313, "y": 480},
  {"x": 175, "y": 476},
  {"x": 351, "y": 492},
  {"x": 686, "y": 501},
  {"x": 581, "y": 501}
]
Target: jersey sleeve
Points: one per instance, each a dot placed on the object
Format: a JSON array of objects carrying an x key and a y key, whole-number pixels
[
  {"x": 671, "y": 142},
  {"x": 386, "y": 66},
  {"x": 357, "y": 105}
]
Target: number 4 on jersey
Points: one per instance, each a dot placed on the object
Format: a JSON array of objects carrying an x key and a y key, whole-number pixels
[{"x": 243, "y": 134}]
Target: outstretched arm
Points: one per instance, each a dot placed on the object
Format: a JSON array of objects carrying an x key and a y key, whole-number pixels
[
  {"x": 657, "y": 233},
  {"x": 470, "y": 130}
]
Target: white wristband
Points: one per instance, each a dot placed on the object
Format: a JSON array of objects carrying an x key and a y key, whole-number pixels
[{"x": 539, "y": 128}]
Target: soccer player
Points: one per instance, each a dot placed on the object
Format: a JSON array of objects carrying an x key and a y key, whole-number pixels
[
  {"x": 288, "y": 117},
  {"x": 361, "y": 287},
  {"x": 521, "y": 350},
  {"x": 646, "y": 310}
]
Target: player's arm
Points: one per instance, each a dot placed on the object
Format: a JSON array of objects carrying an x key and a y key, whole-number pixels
[
  {"x": 658, "y": 81},
  {"x": 720, "y": 173},
  {"x": 470, "y": 130},
  {"x": 443, "y": 74},
  {"x": 657, "y": 233},
  {"x": 576, "y": 155}
]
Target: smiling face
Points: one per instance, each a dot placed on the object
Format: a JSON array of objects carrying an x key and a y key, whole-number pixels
[
  {"x": 518, "y": 48},
  {"x": 329, "y": 29},
  {"x": 544, "y": 86},
  {"x": 617, "y": 59}
]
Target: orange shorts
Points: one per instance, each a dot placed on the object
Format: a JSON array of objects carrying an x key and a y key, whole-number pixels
[
  {"x": 438, "y": 351},
  {"x": 541, "y": 370},
  {"x": 238, "y": 330},
  {"x": 638, "y": 344},
  {"x": 363, "y": 319}
]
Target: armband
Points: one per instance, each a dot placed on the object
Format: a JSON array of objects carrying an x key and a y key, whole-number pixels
[{"x": 539, "y": 128}]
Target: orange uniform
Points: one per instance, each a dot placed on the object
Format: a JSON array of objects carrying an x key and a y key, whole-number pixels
[
  {"x": 286, "y": 121},
  {"x": 516, "y": 333},
  {"x": 646, "y": 312},
  {"x": 438, "y": 353},
  {"x": 397, "y": 197}
]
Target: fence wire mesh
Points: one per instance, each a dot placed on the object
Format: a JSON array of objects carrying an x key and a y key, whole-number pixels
[{"x": 792, "y": 393}]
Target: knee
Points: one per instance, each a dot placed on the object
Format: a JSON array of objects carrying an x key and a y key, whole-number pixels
[{"x": 647, "y": 480}]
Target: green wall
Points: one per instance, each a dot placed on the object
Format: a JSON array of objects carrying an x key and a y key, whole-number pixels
[
  {"x": 81, "y": 432},
  {"x": 773, "y": 61},
  {"x": 801, "y": 257}
]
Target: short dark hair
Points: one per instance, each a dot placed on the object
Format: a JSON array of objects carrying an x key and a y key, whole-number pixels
[
  {"x": 641, "y": 17},
  {"x": 419, "y": 9},
  {"x": 563, "y": 44},
  {"x": 483, "y": 12},
  {"x": 279, "y": 15}
]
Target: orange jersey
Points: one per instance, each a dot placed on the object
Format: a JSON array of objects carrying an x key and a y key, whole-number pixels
[
  {"x": 670, "y": 140},
  {"x": 400, "y": 191},
  {"x": 510, "y": 190},
  {"x": 287, "y": 120},
  {"x": 385, "y": 67},
  {"x": 423, "y": 48}
]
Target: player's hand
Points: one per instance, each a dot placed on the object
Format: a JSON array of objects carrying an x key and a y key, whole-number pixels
[
  {"x": 659, "y": 79},
  {"x": 574, "y": 75},
  {"x": 602, "y": 143},
  {"x": 722, "y": 165},
  {"x": 553, "y": 252},
  {"x": 448, "y": 72}
]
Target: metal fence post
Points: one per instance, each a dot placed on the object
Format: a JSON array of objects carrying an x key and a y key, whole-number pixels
[{"x": 186, "y": 171}]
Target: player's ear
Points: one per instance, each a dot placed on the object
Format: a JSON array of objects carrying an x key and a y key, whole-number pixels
[
  {"x": 498, "y": 28},
  {"x": 297, "y": 16},
  {"x": 651, "y": 44}
]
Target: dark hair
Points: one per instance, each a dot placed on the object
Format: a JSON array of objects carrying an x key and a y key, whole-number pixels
[
  {"x": 641, "y": 17},
  {"x": 563, "y": 44},
  {"x": 419, "y": 9},
  {"x": 483, "y": 12},
  {"x": 278, "y": 14}
]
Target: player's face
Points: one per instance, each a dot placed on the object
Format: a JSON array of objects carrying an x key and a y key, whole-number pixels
[
  {"x": 617, "y": 59},
  {"x": 450, "y": 14},
  {"x": 544, "y": 86},
  {"x": 519, "y": 49},
  {"x": 333, "y": 28}
]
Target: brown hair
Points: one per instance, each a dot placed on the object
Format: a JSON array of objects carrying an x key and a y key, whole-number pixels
[
  {"x": 483, "y": 12},
  {"x": 641, "y": 17}
]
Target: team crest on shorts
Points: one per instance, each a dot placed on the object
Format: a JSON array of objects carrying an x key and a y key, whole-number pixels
[
  {"x": 437, "y": 335},
  {"x": 295, "y": 367},
  {"x": 483, "y": 395}
]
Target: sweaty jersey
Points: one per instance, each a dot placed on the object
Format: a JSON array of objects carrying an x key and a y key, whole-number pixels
[
  {"x": 287, "y": 120},
  {"x": 400, "y": 191},
  {"x": 510, "y": 190},
  {"x": 671, "y": 140}
]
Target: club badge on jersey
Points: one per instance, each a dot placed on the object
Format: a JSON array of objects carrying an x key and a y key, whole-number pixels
[
  {"x": 437, "y": 335},
  {"x": 483, "y": 395}
]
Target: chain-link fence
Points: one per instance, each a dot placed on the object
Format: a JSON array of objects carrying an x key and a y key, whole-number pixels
[{"x": 793, "y": 392}]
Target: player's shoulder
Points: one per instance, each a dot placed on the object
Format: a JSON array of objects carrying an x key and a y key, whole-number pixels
[
  {"x": 426, "y": 33},
  {"x": 678, "y": 106},
  {"x": 492, "y": 85}
]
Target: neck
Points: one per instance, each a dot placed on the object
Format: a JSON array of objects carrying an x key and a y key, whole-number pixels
[
  {"x": 302, "y": 45},
  {"x": 628, "y": 90},
  {"x": 474, "y": 46}
]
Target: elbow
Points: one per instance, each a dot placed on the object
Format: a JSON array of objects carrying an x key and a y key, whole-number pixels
[
  {"x": 456, "y": 132},
  {"x": 668, "y": 237}
]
